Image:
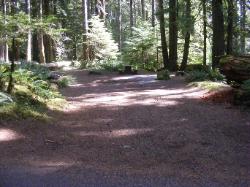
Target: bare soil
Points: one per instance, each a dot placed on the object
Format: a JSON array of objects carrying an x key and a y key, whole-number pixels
[{"x": 135, "y": 125}]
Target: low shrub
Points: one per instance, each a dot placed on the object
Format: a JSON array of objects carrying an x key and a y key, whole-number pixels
[
  {"x": 198, "y": 75},
  {"x": 163, "y": 75},
  {"x": 197, "y": 67},
  {"x": 65, "y": 81},
  {"x": 246, "y": 86}
]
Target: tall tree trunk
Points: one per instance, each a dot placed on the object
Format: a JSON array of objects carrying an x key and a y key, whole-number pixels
[
  {"x": 243, "y": 26},
  {"x": 35, "y": 14},
  {"x": 14, "y": 10},
  {"x": 135, "y": 14},
  {"x": 1, "y": 50},
  {"x": 218, "y": 48},
  {"x": 131, "y": 16},
  {"x": 2, "y": 43},
  {"x": 48, "y": 41},
  {"x": 173, "y": 35},
  {"x": 163, "y": 34},
  {"x": 6, "y": 49},
  {"x": 204, "y": 8},
  {"x": 104, "y": 8},
  {"x": 187, "y": 36},
  {"x": 29, "y": 40},
  {"x": 230, "y": 19},
  {"x": 143, "y": 13},
  {"x": 93, "y": 3},
  {"x": 12, "y": 68},
  {"x": 85, "y": 31},
  {"x": 41, "y": 49},
  {"x": 153, "y": 13},
  {"x": 119, "y": 25}
]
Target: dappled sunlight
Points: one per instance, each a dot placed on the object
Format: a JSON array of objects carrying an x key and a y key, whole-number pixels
[
  {"x": 9, "y": 135},
  {"x": 157, "y": 97},
  {"x": 40, "y": 167},
  {"x": 114, "y": 133}
]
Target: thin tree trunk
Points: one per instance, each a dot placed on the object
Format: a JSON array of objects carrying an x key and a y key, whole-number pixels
[
  {"x": 218, "y": 48},
  {"x": 14, "y": 10},
  {"x": 41, "y": 49},
  {"x": 230, "y": 18},
  {"x": 119, "y": 25},
  {"x": 135, "y": 14},
  {"x": 163, "y": 35},
  {"x": 187, "y": 36},
  {"x": 29, "y": 40},
  {"x": 85, "y": 30},
  {"x": 143, "y": 13},
  {"x": 153, "y": 13},
  {"x": 12, "y": 68},
  {"x": 6, "y": 49},
  {"x": 173, "y": 35},
  {"x": 204, "y": 7},
  {"x": 243, "y": 26},
  {"x": 131, "y": 16},
  {"x": 48, "y": 41},
  {"x": 2, "y": 43}
]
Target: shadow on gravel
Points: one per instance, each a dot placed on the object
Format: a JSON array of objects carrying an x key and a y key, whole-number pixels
[{"x": 150, "y": 129}]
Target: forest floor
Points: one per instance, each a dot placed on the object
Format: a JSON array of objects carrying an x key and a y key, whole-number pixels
[{"x": 129, "y": 131}]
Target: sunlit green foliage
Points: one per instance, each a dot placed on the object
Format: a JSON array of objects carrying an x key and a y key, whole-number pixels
[
  {"x": 141, "y": 48},
  {"x": 102, "y": 46}
]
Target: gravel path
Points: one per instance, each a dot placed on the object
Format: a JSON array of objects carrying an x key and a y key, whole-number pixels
[{"x": 129, "y": 131}]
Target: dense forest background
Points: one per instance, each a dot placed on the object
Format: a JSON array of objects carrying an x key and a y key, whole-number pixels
[{"x": 147, "y": 34}]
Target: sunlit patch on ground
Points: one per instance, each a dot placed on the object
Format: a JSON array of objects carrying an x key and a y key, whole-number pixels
[
  {"x": 9, "y": 135},
  {"x": 45, "y": 167},
  {"x": 157, "y": 97},
  {"x": 115, "y": 133}
]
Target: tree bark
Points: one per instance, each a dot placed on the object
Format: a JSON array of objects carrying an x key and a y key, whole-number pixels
[
  {"x": 173, "y": 35},
  {"x": 218, "y": 48},
  {"x": 163, "y": 35}
]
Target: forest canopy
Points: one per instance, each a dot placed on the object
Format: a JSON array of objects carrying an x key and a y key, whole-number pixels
[{"x": 148, "y": 34}]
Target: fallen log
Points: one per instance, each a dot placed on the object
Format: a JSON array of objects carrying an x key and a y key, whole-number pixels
[{"x": 235, "y": 68}]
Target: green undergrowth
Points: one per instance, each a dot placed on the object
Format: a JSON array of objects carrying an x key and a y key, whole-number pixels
[
  {"x": 33, "y": 94},
  {"x": 26, "y": 104},
  {"x": 209, "y": 85}
]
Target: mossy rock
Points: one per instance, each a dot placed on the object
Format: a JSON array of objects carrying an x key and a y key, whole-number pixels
[{"x": 163, "y": 75}]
